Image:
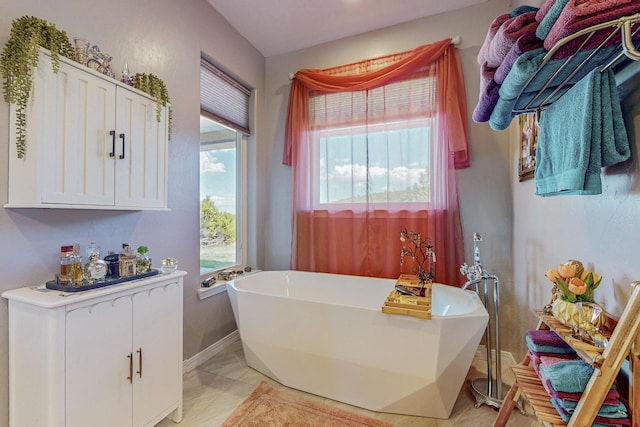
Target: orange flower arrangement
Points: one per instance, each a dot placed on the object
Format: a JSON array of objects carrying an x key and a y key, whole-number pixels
[{"x": 574, "y": 281}]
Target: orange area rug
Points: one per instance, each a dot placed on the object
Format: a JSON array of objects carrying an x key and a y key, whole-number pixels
[{"x": 268, "y": 407}]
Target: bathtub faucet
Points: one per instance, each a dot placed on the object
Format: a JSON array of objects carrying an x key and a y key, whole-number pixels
[{"x": 475, "y": 271}]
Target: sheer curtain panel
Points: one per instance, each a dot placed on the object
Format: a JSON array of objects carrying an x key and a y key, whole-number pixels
[{"x": 374, "y": 146}]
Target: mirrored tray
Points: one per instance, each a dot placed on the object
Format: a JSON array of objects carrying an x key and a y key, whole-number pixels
[{"x": 109, "y": 280}]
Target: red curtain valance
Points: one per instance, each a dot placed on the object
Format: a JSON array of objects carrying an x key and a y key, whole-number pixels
[{"x": 452, "y": 102}]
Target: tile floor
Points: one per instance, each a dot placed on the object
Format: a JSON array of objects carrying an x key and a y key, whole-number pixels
[{"x": 214, "y": 389}]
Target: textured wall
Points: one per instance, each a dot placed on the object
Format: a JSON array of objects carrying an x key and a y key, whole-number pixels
[
  {"x": 599, "y": 230},
  {"x": 162, "y": 37},
  {"x": 484, "y": 188}
]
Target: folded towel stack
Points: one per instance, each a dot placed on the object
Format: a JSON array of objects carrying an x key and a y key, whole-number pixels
[
  {"x": 565, "y": 376},
  {"x": 569, "y": 376},
  {"x": 509, "y": 35},
  {"x": 517, "y": 42},
  {"x": 581, "y": 133},
  {"x": 545, "y": 341},
  {"x": 554, "y": 74},
  {"x": 577, "y": 15},
  {"x": 600, "y": 421}
]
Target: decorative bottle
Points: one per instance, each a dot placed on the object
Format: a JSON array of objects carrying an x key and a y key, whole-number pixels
[
  {"x": 127, "y": 261},
  {"x": 65, "y": 260},
  {"x": 143, "y": 263},
  {"x": 95, "y": 269},
  {"x": 76, "y": 266}
]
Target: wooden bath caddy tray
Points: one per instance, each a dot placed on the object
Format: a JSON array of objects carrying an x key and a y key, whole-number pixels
[{"x": 416, "y": 306}]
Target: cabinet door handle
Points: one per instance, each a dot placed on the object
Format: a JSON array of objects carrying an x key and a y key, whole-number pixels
[
  {"x": 140, "y": 361},
  {"x": 113, "y": 143},
  {"x": 130, "y": 377},
  {"x": 122, "y": 137}
]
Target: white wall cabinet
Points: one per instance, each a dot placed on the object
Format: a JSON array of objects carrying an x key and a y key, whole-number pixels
[
  {"x": 106, "y": 357},
  {"x": 92, "y": 143}
]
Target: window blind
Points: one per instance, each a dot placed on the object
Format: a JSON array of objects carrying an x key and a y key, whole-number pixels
[{"x": 223, "y": 99}]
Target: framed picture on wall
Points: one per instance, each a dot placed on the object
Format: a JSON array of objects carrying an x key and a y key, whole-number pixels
[{"x": 528, "y": 134}]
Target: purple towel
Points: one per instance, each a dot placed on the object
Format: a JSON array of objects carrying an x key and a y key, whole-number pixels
[
  {"x": 487, "y": 102},
  {"x": 580, "y": 14},
  {"x": 524, "y": 44},
  {"x": 491, "y": 32},
  {"x": 486, "y": 76},
  {"x": 506, "y": 36},
  {"x": 546, "y": 338}
]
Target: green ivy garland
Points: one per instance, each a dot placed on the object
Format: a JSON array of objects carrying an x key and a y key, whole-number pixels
[
  {"x": 154, "y": 86},
  {"x": 20, "y": 57}
]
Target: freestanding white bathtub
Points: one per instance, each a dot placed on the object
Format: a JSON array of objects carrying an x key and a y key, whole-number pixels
[{"x": 325, "y": 334}]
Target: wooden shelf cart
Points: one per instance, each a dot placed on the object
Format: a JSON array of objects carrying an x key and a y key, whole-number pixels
[{"x": 624, "y": 342}]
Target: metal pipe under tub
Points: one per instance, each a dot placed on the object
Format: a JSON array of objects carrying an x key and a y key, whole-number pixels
[{"x": 483, "y": 388}]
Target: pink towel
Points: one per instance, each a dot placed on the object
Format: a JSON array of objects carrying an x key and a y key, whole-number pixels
[
  {"x": 507, "y": 35},
  {"x": 595, "y": 41},
  {"x": 536, "y": 358},
  {"x": 580, "y": 14},
  {"x": 493, "y": 29},
  {"x": 547, "y": 361}
]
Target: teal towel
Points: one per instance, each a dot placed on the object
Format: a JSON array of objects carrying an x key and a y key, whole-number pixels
[
  {"x": 570, "y": 376},
  {"x": 606, "y": 410},
  {"x": 524, "y": 68},
  {"x": 522, "y": 10},
  {"x": 551, "y": 349},
  {"x": 579, "y": 134},
  {"x": 550, "y": 18},
  {"x": 599, "y": 421}
]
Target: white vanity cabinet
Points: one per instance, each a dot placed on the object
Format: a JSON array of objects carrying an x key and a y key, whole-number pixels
[
  {"x": 105, "y": 357},
  {"x": 91, "y": 143}
]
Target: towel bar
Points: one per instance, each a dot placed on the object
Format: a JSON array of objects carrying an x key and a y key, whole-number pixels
[{"x": 627, "y": 27}]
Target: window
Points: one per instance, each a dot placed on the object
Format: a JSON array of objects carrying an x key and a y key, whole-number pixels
[
  {"x": 224, "y": 128},
  {"x": 375, "y": 146},
  {"x": 220, "y": 196},
  {"x": 385, "y": 166}
]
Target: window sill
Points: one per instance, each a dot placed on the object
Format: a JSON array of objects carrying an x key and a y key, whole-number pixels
[{"x": 218, "y": 288}]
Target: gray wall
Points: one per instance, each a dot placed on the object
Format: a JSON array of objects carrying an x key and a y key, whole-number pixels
[
  {"x": 601, "y": 230},
  {"x": 484, "y": 188},
  {"x": 163, "y": 37},
  {"x": 523, "y": 234}
]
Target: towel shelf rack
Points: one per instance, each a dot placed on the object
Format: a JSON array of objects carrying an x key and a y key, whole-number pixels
[
  {"x": 624, "y": 343},
  {"x": 626, "y": 27}
]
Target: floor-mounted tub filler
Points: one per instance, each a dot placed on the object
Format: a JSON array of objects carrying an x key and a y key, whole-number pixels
[{"x": 325, "y": 334}]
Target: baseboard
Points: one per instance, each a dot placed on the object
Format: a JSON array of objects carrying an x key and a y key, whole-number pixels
[
  {"x": 206, "y": 354},
  {"x": 506, "y": 355}
]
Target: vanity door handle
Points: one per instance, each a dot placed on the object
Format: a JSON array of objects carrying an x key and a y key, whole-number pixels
[
  {"x": 130, "y": 377},
  {"x": 113, "y": 143},
  {"x": 122, "y": 137},
  {"x": 139, "y": 351}
]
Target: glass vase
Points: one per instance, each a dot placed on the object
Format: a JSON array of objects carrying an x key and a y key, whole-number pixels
[{"x": 143, "y": 263}]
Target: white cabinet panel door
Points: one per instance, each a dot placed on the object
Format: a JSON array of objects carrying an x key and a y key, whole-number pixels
[
  {"x": 156, "y": 321},
  {"x": 98, "y": 364},
  {"x": 140, "y": 151}
]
